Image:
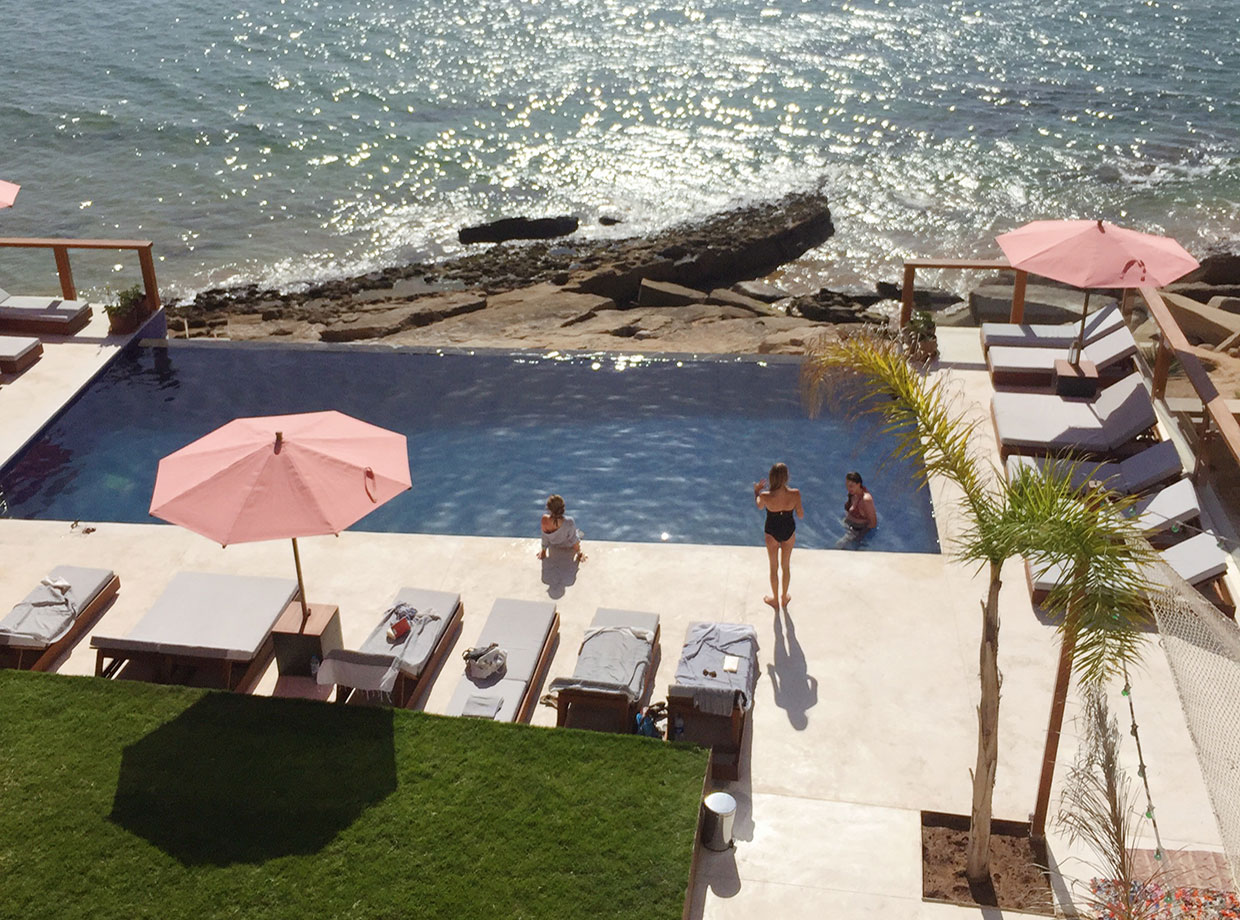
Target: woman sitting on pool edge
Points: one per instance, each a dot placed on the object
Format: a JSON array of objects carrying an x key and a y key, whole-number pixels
[
  {"x": 860, "y": 515},
  {"x": 781, "y": 528},
  {"x": 559, "y": 530}
]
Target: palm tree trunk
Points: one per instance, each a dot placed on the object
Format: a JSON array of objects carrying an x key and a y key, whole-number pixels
[{"x": 978, "y": 865}]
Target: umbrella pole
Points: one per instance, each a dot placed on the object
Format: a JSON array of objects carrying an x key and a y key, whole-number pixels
[
  {"x": 301, "y": 585},
  {"x": 1079, "y": 345}
]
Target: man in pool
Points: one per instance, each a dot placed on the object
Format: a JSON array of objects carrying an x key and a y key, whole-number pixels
[{"x": 860, "y": 515}]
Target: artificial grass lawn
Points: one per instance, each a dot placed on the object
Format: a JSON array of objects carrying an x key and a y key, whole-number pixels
[{"x": 128, "y": 800}]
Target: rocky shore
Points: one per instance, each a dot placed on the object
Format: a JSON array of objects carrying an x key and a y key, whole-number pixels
[{"x": 705, "y": 286}]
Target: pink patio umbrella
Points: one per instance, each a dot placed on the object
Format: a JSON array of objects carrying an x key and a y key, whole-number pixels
[
  {"x": 1094, "y": 254},
  {"x": 8, "y": 193},
  {"x": 280, "y": 477}
]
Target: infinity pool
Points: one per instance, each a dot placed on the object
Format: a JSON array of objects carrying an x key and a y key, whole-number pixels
[{"x": 642, "y": 449}]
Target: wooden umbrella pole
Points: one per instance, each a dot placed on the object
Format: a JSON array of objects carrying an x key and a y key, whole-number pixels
[
  {"x": 301, "y": 585},
  {"x": 1080, "y": 339}
]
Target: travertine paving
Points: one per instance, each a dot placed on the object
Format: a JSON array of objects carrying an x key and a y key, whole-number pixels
[{"x": 865, "y": 708}]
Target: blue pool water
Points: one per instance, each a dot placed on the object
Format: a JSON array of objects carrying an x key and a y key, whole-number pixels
[{"x": 642, "y": 450}]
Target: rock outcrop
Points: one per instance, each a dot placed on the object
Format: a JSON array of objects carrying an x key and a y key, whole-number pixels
[{"x": 518, "y": 228}]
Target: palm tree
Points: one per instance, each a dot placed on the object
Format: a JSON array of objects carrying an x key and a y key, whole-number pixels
[{"x": 1041, "y": 517}]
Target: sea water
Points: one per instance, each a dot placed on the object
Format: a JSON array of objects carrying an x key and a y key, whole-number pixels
[{"x": 284, "y": 140}]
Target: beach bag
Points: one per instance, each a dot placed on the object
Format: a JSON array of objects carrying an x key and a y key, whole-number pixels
[{"x": 484, "y": 662}]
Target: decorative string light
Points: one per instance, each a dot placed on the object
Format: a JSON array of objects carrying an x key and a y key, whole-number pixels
[{"x": 1141, "y": 771}]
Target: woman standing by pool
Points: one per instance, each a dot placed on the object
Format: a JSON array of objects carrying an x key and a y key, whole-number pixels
[{"x": 780, "y": 502}]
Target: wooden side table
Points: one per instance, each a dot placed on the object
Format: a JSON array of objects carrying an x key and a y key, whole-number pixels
[
  {"x": 297, "y": 641},
  {"x": 1081, "y": 380}
]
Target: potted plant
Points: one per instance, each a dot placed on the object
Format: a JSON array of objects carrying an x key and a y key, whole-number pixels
[
  {"x": 127, "y": 311},
  {"x": 920, "y": 342}
]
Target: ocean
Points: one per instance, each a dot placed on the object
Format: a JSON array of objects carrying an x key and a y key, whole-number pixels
[{"x": 281, "y": 141}]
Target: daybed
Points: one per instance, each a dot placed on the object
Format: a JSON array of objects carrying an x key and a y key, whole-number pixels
[
  {"x": 1033, "y": 423},
  {"x": 397, "y": 671},
  {"x": 42, "y": 315},
  {"x": 614, "y": 671},
  {"x": 1058, "y": 335},
  {"x": 54, "y": 616},
  {"x": 1013, "y": 366},
  {"x": 527, "y": 631},
  {"x": 709, "y": 704},
  {"x": 18, "y": 352},
  {"x": 205, "y": 627}
]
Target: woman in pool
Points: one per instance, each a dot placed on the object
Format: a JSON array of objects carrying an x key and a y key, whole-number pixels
[
  {"x": 780, "y": 502},
  {"x": 860, "y": 514},
  {"x": 558, "y": 529}
]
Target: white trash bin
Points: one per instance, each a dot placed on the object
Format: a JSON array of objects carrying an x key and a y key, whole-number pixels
[{"x": 718, "y": 815}]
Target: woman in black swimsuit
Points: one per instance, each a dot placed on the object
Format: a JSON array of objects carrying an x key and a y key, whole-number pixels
[{"x": 780, "y": 502}]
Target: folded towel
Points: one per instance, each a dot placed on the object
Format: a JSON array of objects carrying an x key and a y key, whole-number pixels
[{"x": 481, "y": 706}]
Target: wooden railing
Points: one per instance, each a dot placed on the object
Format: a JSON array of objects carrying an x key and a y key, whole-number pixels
[
  {"x": 60, "y": 250},
  {"x": 910, "y": 275},
  {"x": 1217, "y": 415}
]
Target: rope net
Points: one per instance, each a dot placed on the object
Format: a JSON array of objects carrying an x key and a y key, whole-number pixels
[{"x": 1203, "y": 649}]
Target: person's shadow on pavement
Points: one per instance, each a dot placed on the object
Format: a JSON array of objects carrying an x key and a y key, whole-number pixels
[
  {"x": 559, "y": 570},
  {"x": 796, "y": 691}
]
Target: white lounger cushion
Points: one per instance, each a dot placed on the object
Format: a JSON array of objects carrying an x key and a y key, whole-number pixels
[
  {"x": 16, "y": 347},
  {"x": 43, "y": 309},
  {"x": 1059, "y": 335},
  {"x": 208, "y": 615},
  {"x": 1172, "y": 505},
  {"x": 1197, "y": 559},
  {"x": 1047, "y": 422},
  {"x": 1112, "y": 348},
  {"x": 1132, "y": 475},
  {"x": 522, "y": 629}
]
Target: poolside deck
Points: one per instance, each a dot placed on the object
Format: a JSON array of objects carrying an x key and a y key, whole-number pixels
[{"x": 865, "y": 710}]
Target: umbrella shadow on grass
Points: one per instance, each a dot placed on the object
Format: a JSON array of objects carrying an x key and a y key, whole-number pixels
[{"x": 238, "y": 780}]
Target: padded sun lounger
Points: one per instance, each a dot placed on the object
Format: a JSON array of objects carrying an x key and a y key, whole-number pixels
[
  {"x": 1167, "y": 508},
  {"x": 709, "y": 704},
  {"x": 614, "y": 671},
  {"x": 1059, "y": 335},
  {"x": 1155, "y": 465},
  {"x": 1043, "y": 423},
  {"x": 49, "y": 621},
  {"x": 203, "y": 625},
  {"x": 1013, "y": 366},
  {"x": 526, "y": 630},
  {"x": 1198, "y": 560},
  {"x": 18, "y": 352},
  {"x": 42, "y": 315},
  {"x": 398, "y": 671}
]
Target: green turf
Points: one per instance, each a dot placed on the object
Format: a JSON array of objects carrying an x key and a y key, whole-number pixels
[{"x": 124, "y": 800}]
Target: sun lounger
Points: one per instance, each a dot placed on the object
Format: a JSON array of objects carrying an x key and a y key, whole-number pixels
[
  {"x": 398, "y": 671},
  {"x": 1167, "y": 509},
  {"x": 42, "y": 315},
  {"x": 1024, "y": 366},
  {"x": 1059, "y": 335},
  {"x": 1198, "y": 560},
  {"x": 709, "y": 704},
  {"x": 18, "y": 352},
  {"x": 614, "y": 671},
  {"x": 50, "y": 619},
  {"x": 1043, "y": 423},
  {"x": 203, "y": 626},
  {"x": 1155, "y": 465},
  {"x": 526, "y": 630}
]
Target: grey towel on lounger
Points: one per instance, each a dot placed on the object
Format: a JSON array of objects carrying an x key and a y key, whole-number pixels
[
  {"x": 565, "y": 535},
  {"x": 47, "y": 612},
  {"x": 480, "y": 706},
  {"x": 611, "y": 658},
  {"x": 706, "y": 646},
  {"x": 377, "y": 669}
]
